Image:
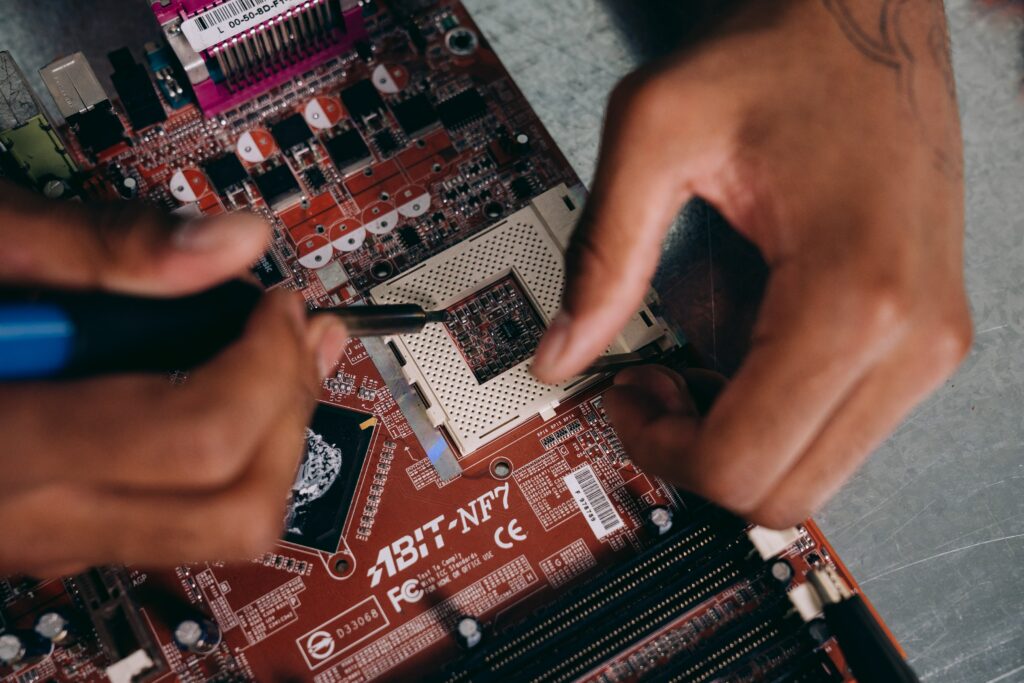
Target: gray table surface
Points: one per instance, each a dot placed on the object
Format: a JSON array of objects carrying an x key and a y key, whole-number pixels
[{"x": 933, "y": 525}]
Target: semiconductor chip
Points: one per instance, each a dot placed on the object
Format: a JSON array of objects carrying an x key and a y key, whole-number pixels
[
  {"x": 522, "y": 187},
  {"x": 466, "y": 107},
  {"x": 386, "y": 142},
  {"x": 415, "y": 114},
  {"x": 409, "y": 237},
  {"x": 362, "y": 99},
  {"x": 336, "y": 445},
  {"x": 225, "y": 172},
  {"x": 267, "y": 271},
  {"x": 291, "y": 132},
  {"x": 278, "y": 186},
  {"x": 347, "y": 150},
  {"x": 314, "y": 178}
]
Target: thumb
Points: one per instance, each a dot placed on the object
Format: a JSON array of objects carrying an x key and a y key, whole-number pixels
[
  {"x": 121, "y": 246},
  {"x": 615, "y": 249}
]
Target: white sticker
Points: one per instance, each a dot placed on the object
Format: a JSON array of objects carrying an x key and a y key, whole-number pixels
[
  {"x": 594, "y": 503},
  {"x": 228, "y": 20}
]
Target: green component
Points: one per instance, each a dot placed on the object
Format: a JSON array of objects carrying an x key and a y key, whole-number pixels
[
  {"x": 449, "y": 22},
  {"x": 38, "y": 152}
]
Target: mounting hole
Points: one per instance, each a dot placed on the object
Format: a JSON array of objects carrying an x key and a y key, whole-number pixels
[
  {"x": 501, "y": 468},
  {"x": 461, "y": 41},
  {"x": 421, "y": 143},
  {"x": 368, "y": 171},
  {"x": 341, "y": 565},
  {"x": 320, "y": 229}
]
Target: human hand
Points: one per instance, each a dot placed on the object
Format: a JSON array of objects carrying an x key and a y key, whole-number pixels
[
  {"x": 132, "y": 468},
  {"x": 835, "y": 147}
]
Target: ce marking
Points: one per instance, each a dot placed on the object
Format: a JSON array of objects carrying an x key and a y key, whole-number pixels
[{"x": 512, "y": 530}]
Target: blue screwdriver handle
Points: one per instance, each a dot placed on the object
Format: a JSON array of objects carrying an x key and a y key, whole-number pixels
[{"x": 74, "y": 334}]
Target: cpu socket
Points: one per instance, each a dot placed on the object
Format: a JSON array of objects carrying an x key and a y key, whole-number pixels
[{"x": 501, "y": 287}]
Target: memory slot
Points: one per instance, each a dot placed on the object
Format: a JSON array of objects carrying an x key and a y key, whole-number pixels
[
  {"x": 594, "y": 644},
  {"x": 767, "y": 660},
  {"x": 648, "y": 571},
  {"x": 761, "y": 630},
  {"x": 681, "y": 565},
  {"x": 814, "y": 667}
]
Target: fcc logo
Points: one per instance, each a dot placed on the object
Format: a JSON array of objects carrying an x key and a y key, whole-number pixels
[{"x": 320, "y": 645}]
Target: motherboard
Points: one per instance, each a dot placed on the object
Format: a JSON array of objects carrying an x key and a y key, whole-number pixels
[{"x": 453, "y": 519}]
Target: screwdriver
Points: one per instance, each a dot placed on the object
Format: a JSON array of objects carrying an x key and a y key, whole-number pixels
[{"x": 76, "y": 334}]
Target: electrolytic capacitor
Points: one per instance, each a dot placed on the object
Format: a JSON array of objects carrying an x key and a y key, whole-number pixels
[
  {"x": 197, "y": 635},
  {"x": 128, "y": 187},
  {"x": 468, "y": 632},
  {"x": 659, "y": 519},
  {"x": 521, "y": 144},
  {"x": 54, "y": 627},
  {"x": 20, "y": 647}
]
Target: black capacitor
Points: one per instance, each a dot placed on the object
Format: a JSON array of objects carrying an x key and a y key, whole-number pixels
[
  {"x": 521, "y": 144},
  {"x": 128, "y": 187},
  {"x": 468, "y": 632}
]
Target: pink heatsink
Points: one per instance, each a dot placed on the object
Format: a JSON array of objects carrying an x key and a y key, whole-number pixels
[{"x": 246, "y": 64}]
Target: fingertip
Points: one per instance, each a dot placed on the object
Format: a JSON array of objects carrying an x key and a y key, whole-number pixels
[
  {"x": 661, "y": 383},
  {"x": 630, "y": 407},
  {"x": 240, "y": 230},
  {"x": 548, "y": 363},
  {"x": 200, "y": 253},
  {"x": 289, "y": 304},
  {"x": 327, "y": 338}
]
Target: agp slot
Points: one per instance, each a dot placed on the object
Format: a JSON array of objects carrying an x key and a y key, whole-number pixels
[{"x": 126, "y": 641}]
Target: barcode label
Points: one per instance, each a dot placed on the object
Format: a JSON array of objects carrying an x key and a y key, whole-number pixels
[
  {"x": 231, "y": 18},
  {"x": 594, "y": 503}
]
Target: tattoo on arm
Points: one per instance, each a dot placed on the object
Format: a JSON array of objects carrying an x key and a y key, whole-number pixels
[{"x": 906, "y": 36}]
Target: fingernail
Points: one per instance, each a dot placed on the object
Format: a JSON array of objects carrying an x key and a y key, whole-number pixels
[
  {"x": 552, "y": 346},
  {"x": 207, "y": 234},
  {"x": 329, "y": 337}
]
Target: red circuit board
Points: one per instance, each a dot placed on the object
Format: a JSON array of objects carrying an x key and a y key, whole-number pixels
[{"x": 413, "y": 553}]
